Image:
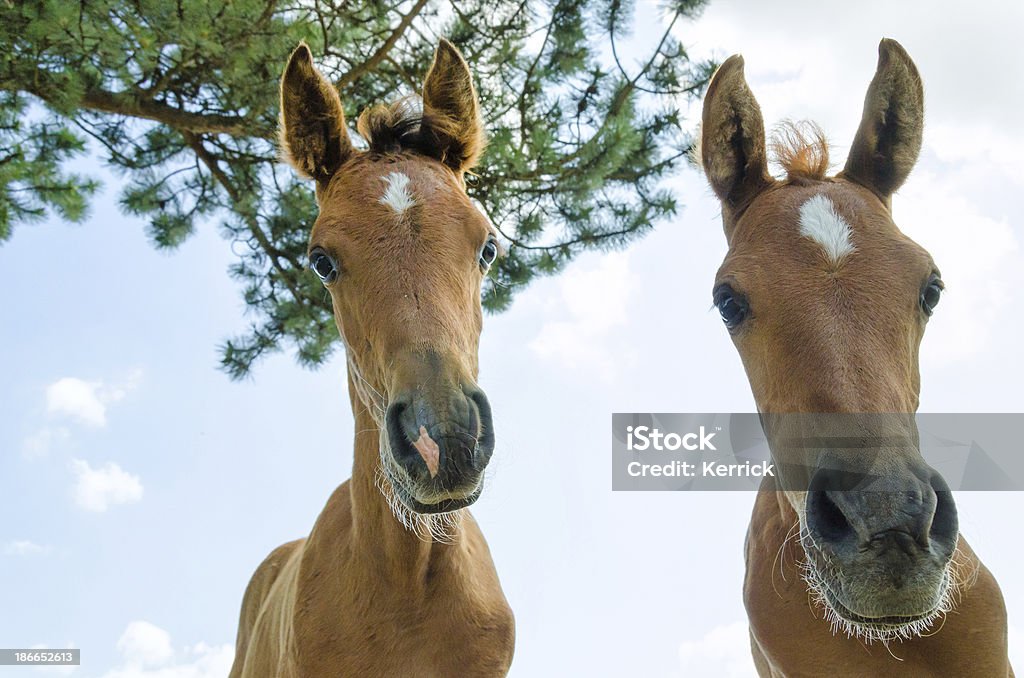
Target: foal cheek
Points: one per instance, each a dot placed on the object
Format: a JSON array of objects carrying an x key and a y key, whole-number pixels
[{"x": 351, "y": 321}]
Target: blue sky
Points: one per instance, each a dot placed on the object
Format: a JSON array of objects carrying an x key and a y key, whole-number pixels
[{"x": 140, "y": 487}]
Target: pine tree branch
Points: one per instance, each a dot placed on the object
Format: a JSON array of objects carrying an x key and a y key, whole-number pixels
[
  {"x": 365, "y": 67},
  {"x": 631, "y": 84},
  {"x": 196, "y": 144},
  {"x": 526, "y": 83},
  {"x": 184, "y": 121}
]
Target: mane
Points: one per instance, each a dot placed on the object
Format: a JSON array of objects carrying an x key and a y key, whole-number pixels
[
  {"x": 394, "y": 127},
  {"x": 800, "y": 148},
  {"x": 404, "y": 125}
]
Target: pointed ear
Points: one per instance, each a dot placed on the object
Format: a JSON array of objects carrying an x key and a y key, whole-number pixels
[
  {"x": 732, "y": 140},
  {"x": 313, "y": 135},
  {"x": 888, "y": 140},
  {"x": 451, "y": 112}
]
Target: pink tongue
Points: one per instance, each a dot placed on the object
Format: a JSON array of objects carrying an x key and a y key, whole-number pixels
[{"x": 428, "y": 449}]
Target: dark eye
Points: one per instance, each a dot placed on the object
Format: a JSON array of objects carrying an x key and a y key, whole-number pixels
[
  {"x": 323, "y": 265},
  {"x": 931, "y": 294},
  {"x": 488, "y": 253},
  {"x": 731, "y": 306}
]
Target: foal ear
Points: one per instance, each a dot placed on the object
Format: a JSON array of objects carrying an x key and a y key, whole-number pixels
[
  {"x": 732, "y": 139},
  {"x": 313, "y": 135},
  {"x": 889, "y": 137},
  {"x": 451, "y": 112}
]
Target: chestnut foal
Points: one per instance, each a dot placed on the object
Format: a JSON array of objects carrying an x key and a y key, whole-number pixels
[
  {"x": 395, "y": 578},
  {"x": 827, "y": 302}
]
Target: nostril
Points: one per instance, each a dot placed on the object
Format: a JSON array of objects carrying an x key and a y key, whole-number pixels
[
  {"x": 945, "y": 525},
  {"x": 828, "y": 491},
  {"x": 485, "y": 433},
  {"x": 399, "y": 441},
  {"x": 825, "y": 519}
]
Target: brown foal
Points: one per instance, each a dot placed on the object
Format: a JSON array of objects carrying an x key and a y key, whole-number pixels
[
  {"x": 827, "y": 302},
  {"x": 395, "y": 578}
]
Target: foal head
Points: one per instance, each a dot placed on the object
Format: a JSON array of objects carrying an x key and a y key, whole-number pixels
[
  {"x": 403, "y": 252},
  {"x": 827, "y": 301}
]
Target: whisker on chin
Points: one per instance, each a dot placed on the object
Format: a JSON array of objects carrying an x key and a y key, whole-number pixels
[
  {"x": 429, "y": 527},
  {"x": 780, "y": 556},
  {"x": 952, "y": 582}
]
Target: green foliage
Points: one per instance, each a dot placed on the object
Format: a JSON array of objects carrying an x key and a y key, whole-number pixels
[
  {"x": 31, "y": 178},
  {"x": 182, "y": 98}
]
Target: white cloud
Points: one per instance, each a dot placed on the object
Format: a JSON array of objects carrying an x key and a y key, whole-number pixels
[
  {"x": 39, "y": 444},
  {"x": 97, "y": 489},
  {"x": 25, "y": 548},
  {"x": 591, "y": 302},
  {"x": 86, "y": 401},
  {"x": 977, "y": 148},
  {"x": 723, "y": 651},
  {"x": 77, "y": 399},
  {"x": 782, "y": 37},
  {"x": 979, "y": 257},
  {"x": 147, "y": 652},
  {"x": 145, "y": 644}
]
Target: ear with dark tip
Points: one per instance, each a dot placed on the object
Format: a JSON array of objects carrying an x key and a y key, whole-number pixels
[
  {"x": 888, "y": 140},
  {"x": 451, "y": 111},
  {"x": 733, "y": 140},
  {"x": 313, "y": 135}
]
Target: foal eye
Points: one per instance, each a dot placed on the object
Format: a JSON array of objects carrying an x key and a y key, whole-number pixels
[
  {"x": 931, "y": 294},
  {"x": 323, "y": 265},
  {"x": 731, "y": 306},
  {"x": 488, "y": 253}
]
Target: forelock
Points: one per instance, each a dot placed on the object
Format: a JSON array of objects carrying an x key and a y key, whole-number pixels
[{"x": 800, "y": 149}]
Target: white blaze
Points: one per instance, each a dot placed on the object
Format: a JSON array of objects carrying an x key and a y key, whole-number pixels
[
  {"x": 820, "y": 222},
  {"x": 397, "y": 195}
]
